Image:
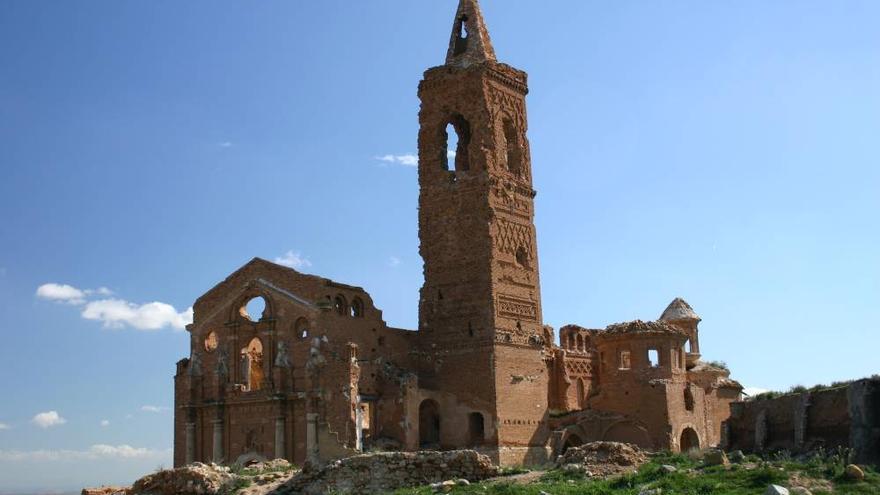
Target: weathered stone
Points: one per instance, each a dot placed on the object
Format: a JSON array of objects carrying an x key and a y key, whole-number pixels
[
  {"x": 854, "y": 472},
  {"x": 799, "y": 490},
  {"x": 666, "y": 468},
  {"x": 776, "y": 490},
  {"x": 737, "y": 456},
  {"x": 604, "y": 458},
  {"x": 715, "y": 458},
  {"x": 195, "y": 479}
]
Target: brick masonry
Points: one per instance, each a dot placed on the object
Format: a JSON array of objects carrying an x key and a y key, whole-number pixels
[{"x": 319, "y": 375}]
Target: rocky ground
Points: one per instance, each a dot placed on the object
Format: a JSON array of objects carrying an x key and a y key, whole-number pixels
[{"x": 600, "y": 468}]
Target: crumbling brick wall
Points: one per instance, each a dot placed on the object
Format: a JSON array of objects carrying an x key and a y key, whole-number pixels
[{"x": 844, "y": 416}]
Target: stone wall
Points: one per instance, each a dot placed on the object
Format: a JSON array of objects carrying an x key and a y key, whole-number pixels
[
  {"x": 385, "y": 472},
  {"x": 846, "y": 416}
]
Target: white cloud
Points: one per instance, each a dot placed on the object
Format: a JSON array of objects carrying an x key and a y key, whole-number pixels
[
  {"x": 154, "y": 409},
  {"x": 4, "y": 426},
  {"x": 62, "y": 293},
  {"x": 101, "y": 291},
  {"x": 117, "y": 313},
  {"x": 408, "y": 160},
  {"x": 394, "y": 261},
  {"x": 48, "y": 419},
  {"x": 753, "y": 391},
  {"x": 225, "y": 144},
  {"x": 95, "y": 452},
  {"x": 293, "y": 260},
  {"x": 105, "y": 422},
  {"x": 450, "y": 154}
]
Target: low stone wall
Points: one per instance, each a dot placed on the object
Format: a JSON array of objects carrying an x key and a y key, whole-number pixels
[
  {"x": 384, "y": 472},
  {"x": 846, "y": 416}
]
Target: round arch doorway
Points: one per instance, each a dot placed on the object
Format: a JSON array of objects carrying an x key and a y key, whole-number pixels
[{"x": 689, "y": 440}]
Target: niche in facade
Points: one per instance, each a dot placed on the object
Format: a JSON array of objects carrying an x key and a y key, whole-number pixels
[{"x": 252, "y": 366}]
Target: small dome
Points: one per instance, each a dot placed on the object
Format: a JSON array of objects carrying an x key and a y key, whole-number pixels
[{"x": 679, "y": 310}]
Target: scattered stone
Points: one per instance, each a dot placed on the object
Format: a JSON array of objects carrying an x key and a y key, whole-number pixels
[
  {"x": 573, "y": 468},
  {"x": 605, "y": 458},
  {"x": 195, "y": 479},
  {"x": 443, "y": 486},
  {"x": 388, "y": 471},
  {"x": 776, "y": 490},
  {"x": 854, "y": 473},
  {"x": 462, "y": 482},
  {"x": 651, "y": 491},
  {"x": 715, "y": 458},
  {"x": 668, "y": 469},
  {"x": 737, "y": 457},
  {"x": 799, "y": 490}
]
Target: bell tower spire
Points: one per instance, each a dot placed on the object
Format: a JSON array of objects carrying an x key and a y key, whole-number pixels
[{"x": 469, "y": 43}]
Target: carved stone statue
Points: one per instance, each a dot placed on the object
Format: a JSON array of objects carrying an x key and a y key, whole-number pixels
[{"x": 282, "y": 355}]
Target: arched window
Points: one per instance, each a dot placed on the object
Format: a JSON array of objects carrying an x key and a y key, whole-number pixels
[
  {"x": 252, "y": 365},
  {"x": 301, "y": 328},
  {"x": 688, "y": 398},
  {"x": 357, "y": 308},
  {"x": 476, "y": 428},
  {"x": 513, "y": 147},
  {"x": 456, "y": 137},
  {"x": 571, "y": 344},
  {"x": 580, "y": 342},
  {"x": 462, "y": 35},
  {"x": 255, "y": 309},
  {"x": 340, "y": 305},
  {"x": 211, "y": 342},
  {"x": 429, "y": 423}
]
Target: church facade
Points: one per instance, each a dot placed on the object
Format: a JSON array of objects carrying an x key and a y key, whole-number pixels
[{"x": 317, "y": 374}]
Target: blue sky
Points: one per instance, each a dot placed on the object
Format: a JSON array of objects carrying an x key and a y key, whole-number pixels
[{"x": 725, "y": 152}]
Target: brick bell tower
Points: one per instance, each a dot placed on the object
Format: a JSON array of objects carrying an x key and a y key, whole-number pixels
[{"x": 480, "y": 307}]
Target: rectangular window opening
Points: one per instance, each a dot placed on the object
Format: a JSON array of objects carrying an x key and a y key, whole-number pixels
[{"x": 653, "y": 358}]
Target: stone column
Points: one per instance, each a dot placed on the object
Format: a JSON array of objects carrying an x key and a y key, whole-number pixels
[
  {"x": 218, "y": 441},
  {"x": 312, "y": 438},
  {"x": 280, "y": 451},
  {"x": 190, "y": 443}
]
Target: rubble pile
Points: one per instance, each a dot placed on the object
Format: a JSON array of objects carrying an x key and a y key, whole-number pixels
[
  {"x": 604, "y": 458},
  {"x": 195, "y": 479}
]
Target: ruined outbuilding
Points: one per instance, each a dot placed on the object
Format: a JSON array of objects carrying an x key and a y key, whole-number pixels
[{"x": 316, "y": 374}]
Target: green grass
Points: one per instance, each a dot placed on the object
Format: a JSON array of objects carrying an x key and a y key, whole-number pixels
[{"x": 690, "y": 479}]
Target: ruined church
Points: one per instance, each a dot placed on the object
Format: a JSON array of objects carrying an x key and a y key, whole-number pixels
[{"x": 316, "y": 374}]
